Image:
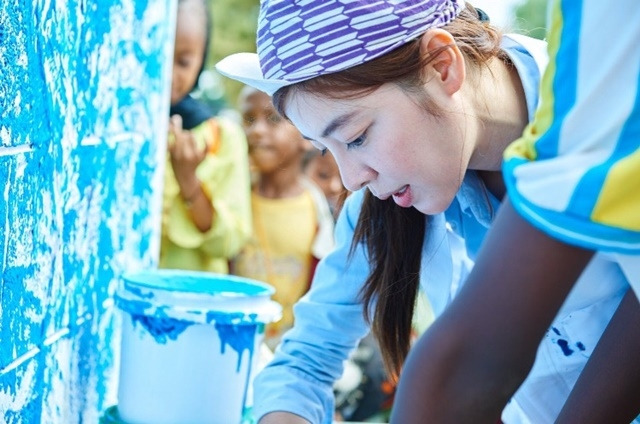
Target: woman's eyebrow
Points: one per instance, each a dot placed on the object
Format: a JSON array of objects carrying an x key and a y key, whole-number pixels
[{"x": 337, "y": 123}]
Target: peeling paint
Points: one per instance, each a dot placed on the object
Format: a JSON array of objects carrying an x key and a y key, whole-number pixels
[{"x": 82, "y": 91}]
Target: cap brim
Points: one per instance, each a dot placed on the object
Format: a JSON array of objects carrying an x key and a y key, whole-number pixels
[{"x": 245, "y": 67}]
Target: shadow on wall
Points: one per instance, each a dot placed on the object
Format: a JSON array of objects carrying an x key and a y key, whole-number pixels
[{"x": 83, "y": 101}]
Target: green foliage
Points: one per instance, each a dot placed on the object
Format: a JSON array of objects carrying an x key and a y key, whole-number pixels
[
  {"x": 531, "y": 18},
  {"x": 234, "y": 30}
]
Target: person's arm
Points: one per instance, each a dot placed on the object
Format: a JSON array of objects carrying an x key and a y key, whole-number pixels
[
  {"x": 225, "y": 176},
  {"x": 570, "y": 175},
  {"x": 329, "y": 322},
  {"x": 186, "y": 155},
  {"x": 282, "y": 418},
  {"x": 608, "y": 389},
  {"x": 473, "y": 358}
]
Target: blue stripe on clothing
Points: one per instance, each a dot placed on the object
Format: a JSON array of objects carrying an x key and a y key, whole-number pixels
[
  {"x": 565, "y": 80},
  {"x": 583, "y": 199},
  {"x": 571, "y": 229}
]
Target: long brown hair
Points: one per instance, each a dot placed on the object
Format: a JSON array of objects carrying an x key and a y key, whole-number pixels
[{"x": 393, "y": 236}]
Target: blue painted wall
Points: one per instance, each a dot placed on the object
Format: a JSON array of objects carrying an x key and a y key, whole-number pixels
[{"x": 84, "y": 89}]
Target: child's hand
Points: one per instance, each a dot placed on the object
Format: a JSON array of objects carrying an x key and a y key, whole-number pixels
[{"x": 185, "y": 155}]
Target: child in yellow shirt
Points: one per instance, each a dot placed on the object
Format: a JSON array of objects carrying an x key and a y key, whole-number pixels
[
  {"x": 293, "y": 226},
  {"x": 206, "y": 204}
]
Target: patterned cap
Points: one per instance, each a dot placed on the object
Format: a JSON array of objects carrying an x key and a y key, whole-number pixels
[{"x": 302, "y": 39}]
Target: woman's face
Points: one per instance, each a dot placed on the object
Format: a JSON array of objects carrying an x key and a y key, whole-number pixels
[{"x": 388, "y": 142}]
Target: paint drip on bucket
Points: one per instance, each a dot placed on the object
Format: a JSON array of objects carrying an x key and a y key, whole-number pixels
[{"x": 189, "y": 345}]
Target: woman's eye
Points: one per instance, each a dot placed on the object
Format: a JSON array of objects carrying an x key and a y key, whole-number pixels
[
  {"x": 274, "y": 118},
  {"x": 357, "y": 142}
]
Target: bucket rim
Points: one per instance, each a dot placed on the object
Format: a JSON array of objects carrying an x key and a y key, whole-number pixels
[
  {"x": 197, "y": 282},
  {"x": 197, "y": 297}
]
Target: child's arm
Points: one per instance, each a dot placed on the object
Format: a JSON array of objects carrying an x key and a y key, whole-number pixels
[
  {"x": 186, "y": 155},
  {"x": 225, "y": 175},
  {"x": 473, "y": 358},
  {"x": 608, "y": 390}
]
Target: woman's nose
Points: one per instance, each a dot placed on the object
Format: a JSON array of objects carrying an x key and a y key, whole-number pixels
[{"x": 355, "y": 176}]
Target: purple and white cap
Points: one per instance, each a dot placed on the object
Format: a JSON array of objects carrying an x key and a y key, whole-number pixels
[{"x": 302, "y": 39}]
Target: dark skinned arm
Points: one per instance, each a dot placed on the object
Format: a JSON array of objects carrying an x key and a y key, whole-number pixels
[
  {"x": 471, "y": 361},
  {"x": 185, "y": 156},
  {"x": 199, "y": 206},
  {"x": 608, "y": 389}
]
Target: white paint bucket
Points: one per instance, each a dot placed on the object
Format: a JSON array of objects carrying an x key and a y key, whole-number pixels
[{"x": 190, "y": 341}]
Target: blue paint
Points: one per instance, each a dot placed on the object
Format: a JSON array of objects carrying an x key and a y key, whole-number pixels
[
  {"x": 163, "y": 300},
  {"x": 111, "y": 416},
  {"x": 240, "y": 338},
  {"x": 140, "y": 293},
  {"x": 564, "y": 345},
  {"x": 162, "y": 329},
  {"x": 555, "y": 330},
  {"x": 76, "y": 215},
  {"x": 229, "y": 317},
  {"x": 134, "y": 307},
  {"x": 580, "y": 346},
  {"x": 199, "y": 282},
  {"x": 29, "y": 120},
  {"x": 195, "y": 296},
  {"x": 167, "y": 302},
  {"x": 14, "y": 298}
]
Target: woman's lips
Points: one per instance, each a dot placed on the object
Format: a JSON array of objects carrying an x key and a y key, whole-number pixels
[{"x": 403, "y": 197}]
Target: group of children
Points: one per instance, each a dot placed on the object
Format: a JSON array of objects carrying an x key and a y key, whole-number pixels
[
  {"x": 292, "y": 223},
  {"x": 236, "y": 197},
  {"x": 418, "y": 110}
]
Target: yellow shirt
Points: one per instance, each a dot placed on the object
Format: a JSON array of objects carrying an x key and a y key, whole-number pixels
[
  {"x": 224, "y": 174},
  {"x": 280, "y": 252}
]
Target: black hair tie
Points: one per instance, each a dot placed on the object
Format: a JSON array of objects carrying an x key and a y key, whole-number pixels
[{"x": 482, "y": 15}]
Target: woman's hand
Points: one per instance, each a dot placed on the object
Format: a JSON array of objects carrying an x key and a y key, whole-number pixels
[
  {"x": 282, "y": 418},
  {"x": 185, "y": 155}
]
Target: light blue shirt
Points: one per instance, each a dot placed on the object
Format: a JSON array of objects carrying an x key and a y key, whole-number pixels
[{"x": 329, "y": 319}]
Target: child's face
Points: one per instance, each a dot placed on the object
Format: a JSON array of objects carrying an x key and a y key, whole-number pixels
[
  {"x": 389, "y": 143},
  {"x": 189, "y": 49},
  {"x": 274, "y": 143},
  {"x": 323, "y": 170}
]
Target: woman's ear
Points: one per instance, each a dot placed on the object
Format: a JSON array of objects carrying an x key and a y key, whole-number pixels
[{"x": 447, "y": 60}]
